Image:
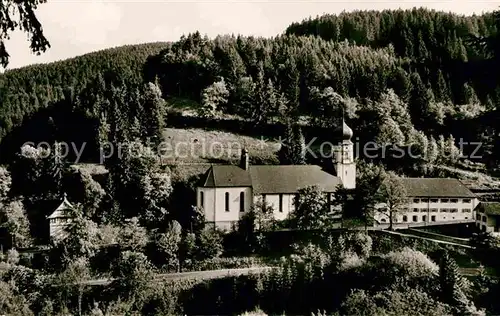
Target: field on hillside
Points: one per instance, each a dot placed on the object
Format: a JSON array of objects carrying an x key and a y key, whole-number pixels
[
  {"x": 476, "y": 180},
  {"x": 186, "y": 146},
  {"x": 190, "y": 152}
]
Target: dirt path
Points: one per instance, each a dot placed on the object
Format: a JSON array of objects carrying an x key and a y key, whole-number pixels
[{"x": 202, "y": 275}]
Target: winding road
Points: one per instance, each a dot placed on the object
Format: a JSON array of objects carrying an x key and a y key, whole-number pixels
[{"x": 202, "y": 275}]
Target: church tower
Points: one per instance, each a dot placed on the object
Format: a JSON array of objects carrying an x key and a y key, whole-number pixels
[{"x": 345, "y": 166}]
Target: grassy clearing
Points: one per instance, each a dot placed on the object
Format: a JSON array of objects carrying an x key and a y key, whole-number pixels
[
  {"x": 189, "y": 108},
  {"x": 185, "y": 146},
  {"x": 473, "y": 179},
  {"x": 191, "y": 151},
  {"x": 92, "y": 168}
]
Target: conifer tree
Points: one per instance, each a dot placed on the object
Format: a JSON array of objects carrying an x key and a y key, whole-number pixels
[
  {"x": 452, "y": 284},
  {"x": 401, "y": 84},
  {"x": 260, "y": 104},
  {"x": 244, "y": 97},
  {"x": 469, "y": 95},
  {"x": 154, "y": 112},
  {"x": 21, "y": 16},
  {"x": 285, "y": 152},
  {"x": 441, "y": 89},
  {"x": 421, "y": 52},
  {"x": 291, "y": 77},
  {"x": 298, "y": 146},
  {"x": 420, "y": 101},
  {"x": 292, "y": 151},
  {"x": 271, "y": 99}
]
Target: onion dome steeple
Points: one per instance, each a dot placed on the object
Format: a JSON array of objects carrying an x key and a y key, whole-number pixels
[{"x": 346, "y": 131}]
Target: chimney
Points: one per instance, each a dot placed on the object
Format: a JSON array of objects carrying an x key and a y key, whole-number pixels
[{"x": 244, "y": 162}]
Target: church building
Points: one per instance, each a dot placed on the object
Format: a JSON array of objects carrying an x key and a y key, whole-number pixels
[{"x": 228, "y": 191}]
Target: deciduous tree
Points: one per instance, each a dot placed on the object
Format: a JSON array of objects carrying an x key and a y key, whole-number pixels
[
  {"x": 312, "y": 210},
  {"x": 21, "y": 16},
  {"x": 74, "y": 278},
  {"x": 13, "y": 217},
  {"x": 132, "y": 236},
  {"x": 168, "y": 244},
  {"x": 80, "y": 240},
  {"x": 133, "y": 274},
  {"x": 213, "y": 99},
  {"x": 393, "y": 196},
  {"x": 5, "y": 183}
]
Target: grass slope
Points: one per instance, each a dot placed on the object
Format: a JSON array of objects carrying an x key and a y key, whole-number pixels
[
  {"x": 190, "y": 152},
  {"x": 185, "y": 146}
]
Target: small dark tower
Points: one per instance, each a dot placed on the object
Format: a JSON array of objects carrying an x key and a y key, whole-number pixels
[{"x": 244, "y": 161}]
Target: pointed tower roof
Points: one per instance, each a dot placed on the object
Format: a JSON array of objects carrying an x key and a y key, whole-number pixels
[
  {"x": 60, "y": 210},
  {"x": 346, "y": 131},
  {"x": 343, "y": 132}
]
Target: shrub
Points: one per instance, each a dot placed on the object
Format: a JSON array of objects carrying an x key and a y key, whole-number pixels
[
  {"x": 350, "y": 261},
  {"x": 415, "y": 263},
  {"x": 410, "y": 302},
  {"x": 209, "y": 244},
  {"x": 361, "y": 243},
  {"x": 403, "y": 269},
  {"x": 256, "y": 312},
  {"x": 224, "y": 263},
  {"x": 12, "y": 256}
]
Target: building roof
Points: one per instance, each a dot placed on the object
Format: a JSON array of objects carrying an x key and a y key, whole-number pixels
[
  {"x": 436, "y": 187},
  {"x": 291, "y": 178},
  {"x": 271, "y": 179},
  {"x": 490, "y": 208},
  {"x": 60, "y": 211},
  {"x": 227, "y": 176}
]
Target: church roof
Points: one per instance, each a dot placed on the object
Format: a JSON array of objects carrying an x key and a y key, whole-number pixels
[
  {"x": 436, "y": 187},
  {"x": 271, "y": 179},
  {"x": 60, "y": 211}
]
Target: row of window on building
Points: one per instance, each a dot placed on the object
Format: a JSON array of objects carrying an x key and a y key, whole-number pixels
[
  {"x": 440, "y": 200},
  {"x": 484, "y": 218},
  {"x": 442, "y": 210},
  {"x": 242, "y": 201},
  {"x": 415, "y": 218},
  {"x": 60, "y": 220}
]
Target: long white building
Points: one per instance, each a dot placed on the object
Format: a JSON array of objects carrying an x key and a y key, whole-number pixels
[{"x": 433, "y": 200}]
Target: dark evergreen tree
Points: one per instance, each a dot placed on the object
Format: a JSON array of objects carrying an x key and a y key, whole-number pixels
[
  {"x": 292, "y": 151},
  {"x": 154, "y": 113},
  {"x": 452, "y": 286},
  {"x": 441, "y": 88},
  {"x": 420, "y": 102}
]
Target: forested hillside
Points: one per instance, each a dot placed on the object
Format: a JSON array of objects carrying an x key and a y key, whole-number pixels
[
  {"x": 438, "y": 44},
  {"x": 413, "y": 84},
  {"x": 402, "y": 77},
  {"x": 25, "y": 90}
]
